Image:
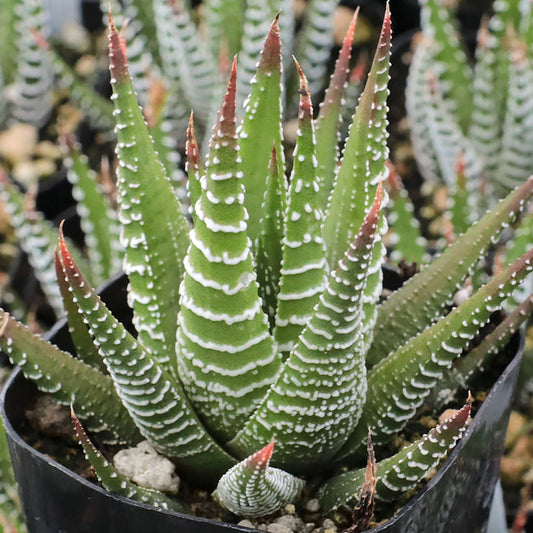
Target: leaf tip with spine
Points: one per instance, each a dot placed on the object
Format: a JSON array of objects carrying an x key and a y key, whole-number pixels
[{"x": 118, "y": 61}]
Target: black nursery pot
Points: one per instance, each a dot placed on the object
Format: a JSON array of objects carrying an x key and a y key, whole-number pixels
[{"x": 458, "y": 497}]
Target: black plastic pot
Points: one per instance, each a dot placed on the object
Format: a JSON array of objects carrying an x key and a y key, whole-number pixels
[{"x": 457, "y": 499}]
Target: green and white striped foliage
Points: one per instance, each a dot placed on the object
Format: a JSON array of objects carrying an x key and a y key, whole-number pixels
[
  {"x": 186, "y": 61},
  {"x": 257, "y": 15},
  {"x": 98, "y": 219},
  {"x": 404, "y": 236},
  {"x": 327, "y": 130},
  {"x": 221, "y": 320},
  {"x": 33, "y": 80},
  {"x": 223, "y": 21},
  {"x": 417, "y": 104},
  {"x": 402, "y": 471},
  {"x": 450, "y": 61},
  {"x": 243, "y": 341},
  {"x": 92, "y": 393},
  {"x": 313, "y": 44},
  {"x": 516, "y": 156},
  {"x": 36, "y": 236},
  {"x": 423, "y": 298},
  {"x": 486, "y": 117},
  {"x": 303, "y": 264},
  {"x": 522, "y": 241},
  {"x": 98, "y": 110},
  {"x": 118, "y": 483},
  {"x": 416, "y": 367},
  {"x": 253, "y": 488},
  {"x": 359, "y": 175},
  {"x": 140, "y": 58}
]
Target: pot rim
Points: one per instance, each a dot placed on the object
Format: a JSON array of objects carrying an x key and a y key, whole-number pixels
[{"x": 446, "y": 465}]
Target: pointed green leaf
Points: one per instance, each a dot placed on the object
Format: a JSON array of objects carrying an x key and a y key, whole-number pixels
[
  {"x": 522, "y": 241},
  {"x": 154, "y": 399},
  {"x": 226, "y": 356},
  {"x": 261, "y": 127},
  {"x": 194, "y": 168},
  {"x": 257, "y": 15},
  {"x": 224, "y": 26},
  {"x": 516, "y": 157},
  {"x": 417, "y": 106},
  {"x": 143, "y": 14},
  {"x": 318, "y": 396},
  {"x": 487, "y": 114},
  {"x": 98, "y": 219},
  {"x": 67, "y": 380},
  {"x": 155, "y": 233},
  {"x": 81, "y": 338},
  {"x": 461, "y": 210},
  {"x": 363, "y": 162},
  {"x": 268, "y": 253},
  {"x": 398, "y": 384},
  {"x": 421, "y": 300},
  {"x": 448, "y": 139},
  {"x": 165, "y": 142},
  {"x": 327, "y": 124},
  {"x": 455, "y": 73},
  {"x": 303, "y": 267},
  {"x": 116, "y": 482},
  {"x": 352, "y": 93},
  {"x": 252, "y": 488},
  {"x": 476, "y": 360},
  {"x": 407, "y": 241},
  {"x": 37, "y": 238},
  {"x": 402, "y": 471}
]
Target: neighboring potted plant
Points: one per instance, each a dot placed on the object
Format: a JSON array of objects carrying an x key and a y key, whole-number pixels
[{"x": 251, "y": 347}]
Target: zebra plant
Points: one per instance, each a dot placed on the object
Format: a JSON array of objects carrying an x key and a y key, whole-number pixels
[
  {"x": 482, "y": 114},
  {"x": 255, "y": 327},
  {"x": 470, "y": 126}
]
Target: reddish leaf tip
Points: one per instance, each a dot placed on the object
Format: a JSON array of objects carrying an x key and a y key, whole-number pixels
[
  {"x": 191, "y": 146},
  {"x": 226, "y": 117},
  {"x": 348, "y": 38},
  {"x": 261, "y": 458},
  {"x": 66, "y": 258},
  {"x": 386, "y": 32},
  {"x": 271, "y": 55},
  {"x": 80, "y": 432},
  {"x": 118, "y": 62},
  {"x": 40, "y": 40},
  {"x": 393, "y": 180}
]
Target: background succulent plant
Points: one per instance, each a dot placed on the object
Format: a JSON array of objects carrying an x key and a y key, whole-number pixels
[
  {"x": 480, "y": 113},
  {"x": 226, "y": 376}
]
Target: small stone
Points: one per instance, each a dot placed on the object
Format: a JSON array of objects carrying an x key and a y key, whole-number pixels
[
  {"x": 278, "y": 528},
  {"x": 18, "y": 142},
  {"x": 145, "y": 466},
  {"x": 246, "y": 523},
  {"x": 291, "y": 522},
  {"x": 48, "y": 150},
  {"x": 290, "y": 508},
  {"x": 313, "y": 506},
  {"x": 329, "y": 526},
  {"x": 309, "y": 527}
]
